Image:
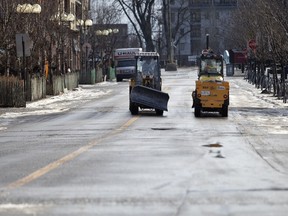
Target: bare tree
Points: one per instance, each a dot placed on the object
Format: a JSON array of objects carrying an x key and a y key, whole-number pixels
[
  {"x": 106, "y": 16},
  {"x": 266, "y": 22},
  {"x": 140, "y": 13},
  {"x": 40, "y": 28},
  {"x": 181, "y": 22},
  {"x": 105, "y": 12},
  {"x": 8, "y": 18}
]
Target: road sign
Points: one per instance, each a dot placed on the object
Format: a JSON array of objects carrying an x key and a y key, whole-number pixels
[
  {"x": 252, "y": 44},
  {"x": 23, "y": 45},
  {"x": 86, "y": 47},
  {"x": 192, "y": 58}
]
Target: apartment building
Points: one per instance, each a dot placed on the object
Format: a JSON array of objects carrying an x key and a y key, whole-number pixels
[
  {"x": 79, "y": 8},
  {"x": 75, "y": 13},
  {"x": 206, "y": 17}
]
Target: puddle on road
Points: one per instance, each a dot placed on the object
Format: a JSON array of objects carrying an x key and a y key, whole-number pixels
[
  {"x": 215, "y": 145},
  {"x": 217, "y": 153}
]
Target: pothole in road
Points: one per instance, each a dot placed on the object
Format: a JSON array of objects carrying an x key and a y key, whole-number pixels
[
  {"x": 215, "y": 145},
  {"x": 163, "y": 129},
  {"x": 216, "y": 153}
]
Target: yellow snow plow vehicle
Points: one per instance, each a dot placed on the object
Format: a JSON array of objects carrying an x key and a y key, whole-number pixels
[
  {"x": 212, "y": 92},
  {"x": 145, "y": 85}
]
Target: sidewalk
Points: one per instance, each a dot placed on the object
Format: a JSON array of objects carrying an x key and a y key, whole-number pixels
[
  {"x": 59, "y": 103},
  {"x": 269, "y": 98}
]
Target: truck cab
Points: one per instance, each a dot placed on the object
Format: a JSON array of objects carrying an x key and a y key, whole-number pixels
[
  {"x": 145, "y": 85},
  {"x": 212, "y": 92},
  {"x": 125, "y": 62}
]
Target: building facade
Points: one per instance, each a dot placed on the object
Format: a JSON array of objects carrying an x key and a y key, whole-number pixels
[
  {"x": 205, "y": 17},
  {"x": 80, "y": 10}
]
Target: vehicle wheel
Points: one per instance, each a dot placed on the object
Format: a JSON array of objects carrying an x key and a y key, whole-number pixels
[
  {"x": 224, "y": 111},
  {"x": 193, "y": 99},
  {"x": 119, "y": 79},
  {"x": 197, "y": 110},
  {"x": 133, "y": 109},
  {"x": 159, "y": 112}
]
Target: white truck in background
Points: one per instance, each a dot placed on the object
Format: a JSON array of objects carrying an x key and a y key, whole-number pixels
[{"x": 125, "y": 62}]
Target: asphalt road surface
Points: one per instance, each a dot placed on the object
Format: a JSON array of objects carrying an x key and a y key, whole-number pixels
[{"x": 97, "y": 159}]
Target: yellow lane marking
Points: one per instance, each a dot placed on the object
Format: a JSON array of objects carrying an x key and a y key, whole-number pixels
[
  {"x": 44, "y": 170},
  {"x": 167, "y": 88},
  {"x": 128, "y": 123}
]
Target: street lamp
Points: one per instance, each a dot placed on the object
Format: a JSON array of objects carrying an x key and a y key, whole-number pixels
[
  {"x": 63, "y": 17},
  {"x": 64, "y": 21},
  {"x": 106, "y": 33},
  {"x": 115, "y": 31},
  {"x": 85, "y": 46},
  {"x": 28, "y": 8},
  {"x": 67, "y": 17},
  {"x": 24, "y": 38},
  {"x": 85, "y": 24}
]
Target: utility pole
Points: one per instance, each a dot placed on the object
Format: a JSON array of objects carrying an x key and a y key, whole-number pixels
[
  {"x": 170, "y": 57},
  {"x": 170, "y": 66}
]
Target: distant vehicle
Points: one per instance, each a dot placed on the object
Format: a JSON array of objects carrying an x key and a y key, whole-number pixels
[
  {"x": 145, "y": 85},
  {"x": 212, "y": 92},
  {"x": 125, "y": 62}
]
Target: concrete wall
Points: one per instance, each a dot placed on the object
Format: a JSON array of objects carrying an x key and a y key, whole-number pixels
[
  {"x": 12, "y": 88},
  {"x": 91, "y": 77},
  {"x": 87, "y": 77},
  {"x": 99, "y": 75},
  {"x": 38, "y": 88},
  {"x": 59, "y": 83},
  {"x": 71, "y": 80}
]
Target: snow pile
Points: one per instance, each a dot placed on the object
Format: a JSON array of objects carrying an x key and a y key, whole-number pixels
[{"x": 59, "y": 103}]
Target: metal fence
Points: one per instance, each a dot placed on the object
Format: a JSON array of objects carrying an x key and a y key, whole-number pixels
[{"x": 271, "y": 80}]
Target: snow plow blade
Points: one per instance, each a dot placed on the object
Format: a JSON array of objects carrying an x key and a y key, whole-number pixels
[{"x": 150, "y": 98}]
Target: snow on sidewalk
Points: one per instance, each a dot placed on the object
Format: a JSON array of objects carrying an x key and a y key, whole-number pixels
[{"x": 58, "y": 103}]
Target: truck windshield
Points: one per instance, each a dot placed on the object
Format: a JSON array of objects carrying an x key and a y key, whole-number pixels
[
  {"x": 125, "y": 63},
  {"x": 148, "y": 66},
  {"x": 211, "y": 66}
]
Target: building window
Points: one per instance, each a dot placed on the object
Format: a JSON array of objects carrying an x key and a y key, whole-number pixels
[
  {"x": 199, "y": 3},
  {"x": 67, "y": 6},
  {"x": 206, "y": 2},
  {"x": 196, "y": 30},
  {"x": 196, "y": 47},
  {"x": 225, "y": 2},
  {"x": 173, "y": 17},
  {"x": 73, "y": 8},
  {"x": 79, "y": 11},
  {"x": 196, "y": 16},
  {"x": 206, "y": 15},
  {"x": 182, "y": 31},
  {"x": 217, "y": 15},
  {"x": 182, "y": 46}
]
